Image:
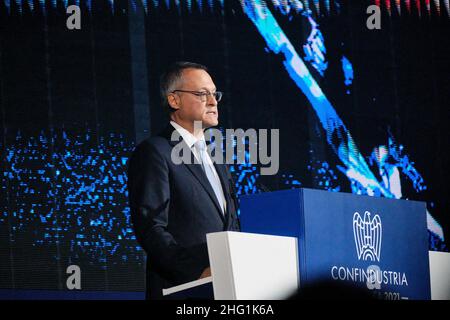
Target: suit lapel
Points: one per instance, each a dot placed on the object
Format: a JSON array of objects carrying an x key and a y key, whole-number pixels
[
  {"x": 198, "y": 173},
  {"x": 220, "y": 168}
]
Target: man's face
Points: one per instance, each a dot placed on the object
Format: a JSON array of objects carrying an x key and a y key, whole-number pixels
[{"x": 192, "y": 108}]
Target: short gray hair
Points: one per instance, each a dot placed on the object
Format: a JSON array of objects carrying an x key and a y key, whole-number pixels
[{"x": 170, "y": 79}]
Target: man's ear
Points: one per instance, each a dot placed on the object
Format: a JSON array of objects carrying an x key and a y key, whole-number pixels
[{"x": 173, "y": 101}]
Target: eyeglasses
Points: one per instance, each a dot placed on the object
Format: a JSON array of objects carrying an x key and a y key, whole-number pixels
[{"x": 204, "y": 95}]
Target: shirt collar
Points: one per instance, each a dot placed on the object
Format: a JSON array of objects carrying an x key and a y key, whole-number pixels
[{"x": 188, "y": 137}]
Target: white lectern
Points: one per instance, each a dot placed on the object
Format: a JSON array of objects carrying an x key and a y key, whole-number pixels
[{"x": 247, "y": 266}]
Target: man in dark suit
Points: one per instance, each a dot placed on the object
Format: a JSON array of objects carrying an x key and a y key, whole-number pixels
[{"x": 174, "y": 206}]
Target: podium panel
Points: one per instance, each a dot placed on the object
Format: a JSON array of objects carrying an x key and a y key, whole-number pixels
[
  {"x": 374, "y": 243},
  {"x": 248, "y": 266},
  {"x": 440, "y": 275}
]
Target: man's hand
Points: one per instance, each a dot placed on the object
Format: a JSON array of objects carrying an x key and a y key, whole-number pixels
[{"x": 206, "y": 273}]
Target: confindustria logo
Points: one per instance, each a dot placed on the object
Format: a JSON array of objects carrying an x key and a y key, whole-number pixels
[
  {"x": 372, "y": 276},
  {"x": 367, "y": 233}
]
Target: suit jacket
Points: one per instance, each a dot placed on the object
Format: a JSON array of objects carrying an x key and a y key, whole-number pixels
[{"x": 173, "y": 207}]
